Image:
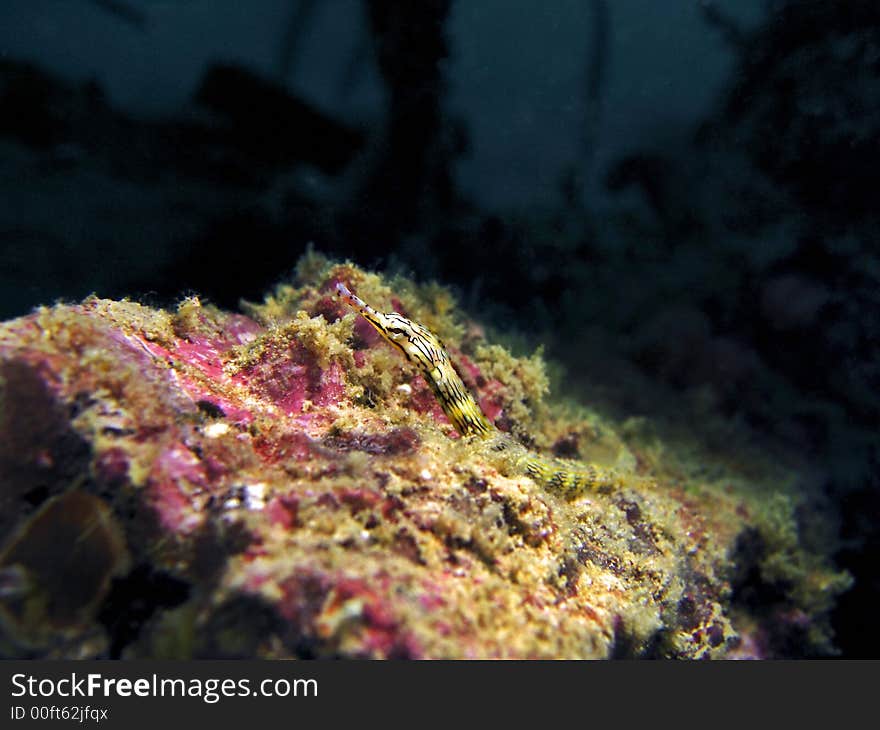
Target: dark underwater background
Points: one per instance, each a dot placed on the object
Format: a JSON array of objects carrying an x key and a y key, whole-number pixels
[{"x": 679, "y": 199}]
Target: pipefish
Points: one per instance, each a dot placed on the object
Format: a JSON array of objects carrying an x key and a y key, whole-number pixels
[{"x": 425, "y": 350}]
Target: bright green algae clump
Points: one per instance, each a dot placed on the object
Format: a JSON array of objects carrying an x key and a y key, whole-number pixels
[{"x": 296, "y": 474}]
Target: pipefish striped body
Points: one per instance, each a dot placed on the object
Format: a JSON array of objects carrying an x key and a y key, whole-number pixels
[{"x": 425, "y": 350}]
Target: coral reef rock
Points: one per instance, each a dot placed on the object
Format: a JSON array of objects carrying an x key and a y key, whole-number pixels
[{"x": 282, "y": 483}]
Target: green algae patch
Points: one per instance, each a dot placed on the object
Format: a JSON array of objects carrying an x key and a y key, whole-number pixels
[{"x": 298, "y": 476}]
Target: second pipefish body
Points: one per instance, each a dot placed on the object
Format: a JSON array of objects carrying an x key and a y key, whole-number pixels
[{"x": 425, "y": 350}]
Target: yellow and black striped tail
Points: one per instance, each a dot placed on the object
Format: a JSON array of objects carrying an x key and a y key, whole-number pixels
[{"x": 569, "y": 479}]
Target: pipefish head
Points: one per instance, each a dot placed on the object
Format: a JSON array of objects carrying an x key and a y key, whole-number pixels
[
  {"x": 416, "y": 342},
  {"x": 425, "y": 350}
]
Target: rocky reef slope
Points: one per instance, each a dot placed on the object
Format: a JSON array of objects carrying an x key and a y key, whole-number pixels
[{"x": 282, "y": 483}]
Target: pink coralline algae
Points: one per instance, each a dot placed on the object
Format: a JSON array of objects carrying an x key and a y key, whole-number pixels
[{"x": 281, "y": 484}]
